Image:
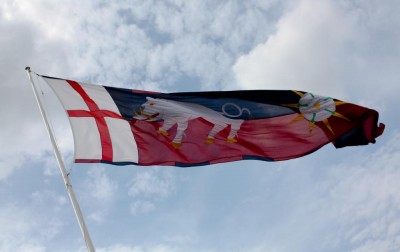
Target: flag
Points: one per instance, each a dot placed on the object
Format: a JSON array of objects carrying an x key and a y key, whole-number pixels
[{"x": 123, "y": 126}]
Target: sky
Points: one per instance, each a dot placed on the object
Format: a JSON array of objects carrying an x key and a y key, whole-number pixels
[{"x": 331, "y": 200}]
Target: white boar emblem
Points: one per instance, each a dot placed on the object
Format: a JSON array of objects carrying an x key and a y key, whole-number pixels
[{"x": 174, "y": 112}]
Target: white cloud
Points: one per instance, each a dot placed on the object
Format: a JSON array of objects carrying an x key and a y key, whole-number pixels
[
  {"x": 99, "y": 185},
  {"x": 160, "y": 39},
  {"x": 141, "y": 207},
  {"x": 23, "y": 133},
  {"x": 352, "y": 206},
  {"x": 19, "y": 230},
  {"x": 125, "y": 248},
  {"x": 304, "y": 52},
  {"x": 39, "y": 197},
  {"x": 327, "y": 47},
  {"x": 49, "y": 23},
  {"x": 149, "y": 187},
  {"x": 98, "y": 216},
  {"x": 366, "y": 200},
  {"x": 154, "y": 184},
  {"x": 98, "y": 193}
]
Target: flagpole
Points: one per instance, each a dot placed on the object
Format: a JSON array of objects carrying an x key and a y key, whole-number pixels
[{"x": 63, "y": 171}]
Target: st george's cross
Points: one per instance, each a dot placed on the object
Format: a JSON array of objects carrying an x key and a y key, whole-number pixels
[
  {"x": 99, "y": 116},
  {"x": 100, "y": 132}
]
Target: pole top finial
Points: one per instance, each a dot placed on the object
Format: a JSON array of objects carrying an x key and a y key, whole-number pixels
[{"x": 28, "y": 68}]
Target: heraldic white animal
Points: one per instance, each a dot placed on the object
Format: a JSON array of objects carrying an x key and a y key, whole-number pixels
[{"x": 174, "y": 112}]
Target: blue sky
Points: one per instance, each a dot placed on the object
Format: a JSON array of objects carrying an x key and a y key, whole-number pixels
[{"x": 332, "y": 200}]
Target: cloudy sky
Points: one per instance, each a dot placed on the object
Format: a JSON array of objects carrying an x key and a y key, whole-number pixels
[{"x": 331, "y": 200}]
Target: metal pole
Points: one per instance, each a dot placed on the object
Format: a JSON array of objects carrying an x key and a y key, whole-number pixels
[{"x": 63, "y": 171}]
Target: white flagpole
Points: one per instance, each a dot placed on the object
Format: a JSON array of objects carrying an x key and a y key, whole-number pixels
[{"x": 63, "y": 171}]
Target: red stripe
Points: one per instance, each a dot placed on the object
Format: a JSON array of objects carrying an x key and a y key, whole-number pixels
[
  {"x": 99, "y": 116},
  {"x": 87, "y": 161},
  {"x": 100, "y": 113}
]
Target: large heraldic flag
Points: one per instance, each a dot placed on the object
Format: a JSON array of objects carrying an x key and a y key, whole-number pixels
[{"x": 123, "y": 126}]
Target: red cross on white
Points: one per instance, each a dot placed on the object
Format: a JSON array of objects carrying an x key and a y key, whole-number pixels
[{"x": 100, "y": 132}]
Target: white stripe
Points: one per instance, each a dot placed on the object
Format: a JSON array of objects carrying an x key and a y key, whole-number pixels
[
  {"x": 123, "y": 142},
  {"x": 70, "y": 99},
  {"x": 86, "y": 138},
  {"x": 100, "y": 96}
]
